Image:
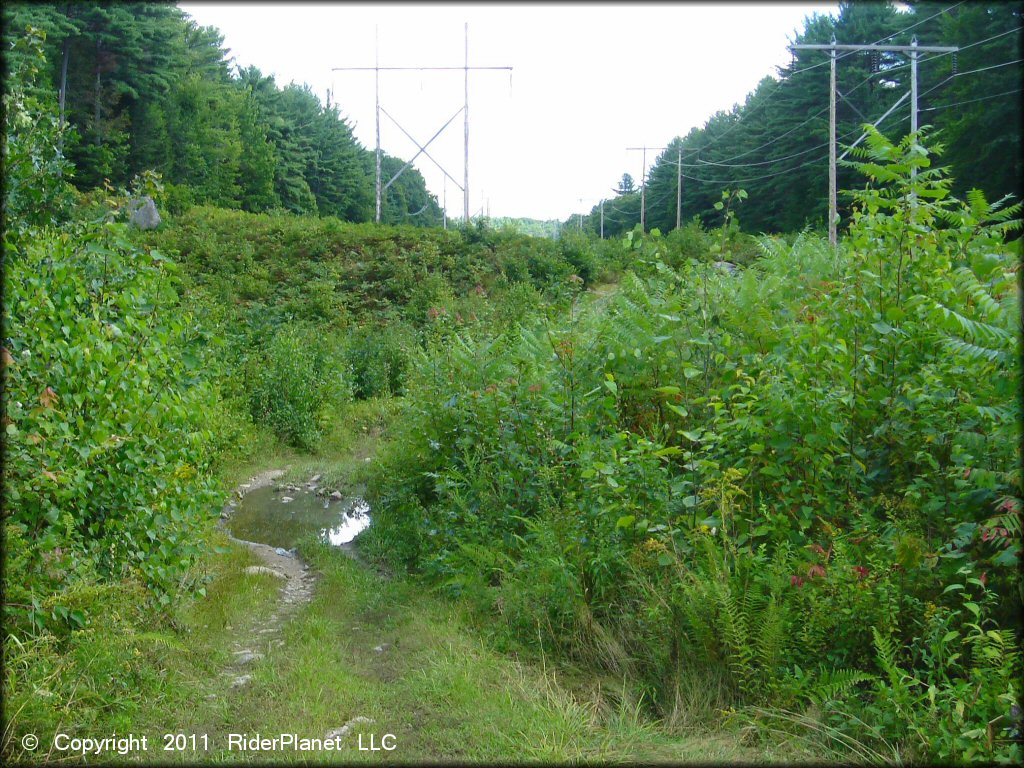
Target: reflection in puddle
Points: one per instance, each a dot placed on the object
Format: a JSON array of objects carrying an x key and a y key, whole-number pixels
[
  {"x": 354, "y": 521},
  {"x": 263, "y": 516}
]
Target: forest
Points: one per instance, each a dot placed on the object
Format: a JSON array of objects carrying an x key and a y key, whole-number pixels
[
  {"x": 721, "y": 492},
  {"x": 142, "y": 87},
  {"x": 775, "y": 144}
]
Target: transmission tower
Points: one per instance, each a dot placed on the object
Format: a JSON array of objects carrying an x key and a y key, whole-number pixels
[{"x": 463, "y": 110}]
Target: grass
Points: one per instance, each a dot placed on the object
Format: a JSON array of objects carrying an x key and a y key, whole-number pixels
[
  {"x": 441, "y": 688},
  {"x": 349, "y": 443}
]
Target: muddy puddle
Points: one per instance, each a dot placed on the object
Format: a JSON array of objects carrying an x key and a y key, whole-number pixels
[{"x": 281, "y": 518}]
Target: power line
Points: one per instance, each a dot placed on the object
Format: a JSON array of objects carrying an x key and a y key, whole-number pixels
[
  {"x": 971, "y": 101},
  {"x": 985, "y": 69},
  {"x": 982, "y": 42},
  {"x": 788, "y": 75},
  {"x": 756, "y": 178},
  {"x": 969, "y": 72}
]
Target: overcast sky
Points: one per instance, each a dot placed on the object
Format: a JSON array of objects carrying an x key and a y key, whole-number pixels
[{"x": 549, "y": 138}]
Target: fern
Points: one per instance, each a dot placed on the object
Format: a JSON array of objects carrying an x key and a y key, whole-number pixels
[{"x": 830, "y": 684}]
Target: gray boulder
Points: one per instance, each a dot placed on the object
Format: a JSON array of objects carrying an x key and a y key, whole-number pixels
[{"x": 142, "y": 213}]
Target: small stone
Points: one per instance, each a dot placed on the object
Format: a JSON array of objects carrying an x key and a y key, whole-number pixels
[
  {"x": 382, "y": 647},
  {"x": 244, "y": 657},
  {"x": 314, "y": 479},
  {"x": 253, "y": 570},
  {"x": 241, "y": 680},
  {"x": 286, "y": 499},
  {"x": 283, "y": 552},
  {"x": 336, "y": 495},
  {"x": 338, "y": 733}
]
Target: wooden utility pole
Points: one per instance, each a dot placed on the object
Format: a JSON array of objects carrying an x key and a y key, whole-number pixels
[
  {"x": 832, "y": 204},
  {"x": 377, "y": 69},
  {"x": 602, "y": 219},
  {"x": 643, "y": 194},
  {"x": 376, "y": 88},
  {"x": 679, "y": 185},
  {"x": 913, "y": 49},
  {"x": 465, "y": 113},
  {"x": 643, "y": 185}
]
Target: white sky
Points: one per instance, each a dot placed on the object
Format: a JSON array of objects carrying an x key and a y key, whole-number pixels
[{"x": 548, "y": 139}]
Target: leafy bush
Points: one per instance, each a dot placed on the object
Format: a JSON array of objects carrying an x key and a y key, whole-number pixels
[
  {"x": 292, "y": 382},
  {"x": 36, "y": 188},
  {"x": 106, "y": 449},
  {"x": 377, "y": 359},
  {"x": 745, "y": 472}
]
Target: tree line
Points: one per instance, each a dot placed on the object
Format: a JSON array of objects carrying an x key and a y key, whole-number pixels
[
  {"x": 775, "y": 144},
  {"x": 142, "y": 86}
]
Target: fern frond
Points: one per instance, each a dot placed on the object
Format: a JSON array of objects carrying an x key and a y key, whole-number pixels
[{"x": 830, "y": 684}]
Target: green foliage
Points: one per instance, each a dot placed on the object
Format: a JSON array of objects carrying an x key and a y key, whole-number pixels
[
  {"x": 771, "y": 143},
  {"x": 378, "y": 359},
  {"x": 746, "y": 470},
  {"x": 142, "y": 86},
  {"x": 106, "y": 450},
  {"x": 36, "y": 190},
  {"x": 291, "y": 382}
]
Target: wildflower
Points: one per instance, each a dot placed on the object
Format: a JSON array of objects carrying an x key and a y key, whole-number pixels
[
  {"x": 796, "y": 581},
  {"x": 861, "y": 571},
  {"x": 815, "y": 571},
  {"x": 983, "y": 578}
]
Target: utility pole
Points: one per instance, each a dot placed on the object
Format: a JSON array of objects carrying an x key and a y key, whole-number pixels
[
  {"x": 832, "y": 204},
  {"x": 376, "y": 88},
  {"x": 643, "y": 185},
  {"x": 679, "y": 185},
  {"x": 602, "y": 219},
  {"x": 913, "y": 49},
  {"x": 913, "y": 121},
  {"x": 643, "y": 195},
  {"x": 377, "y": 69},
  {"x": 465, "y": 113}
]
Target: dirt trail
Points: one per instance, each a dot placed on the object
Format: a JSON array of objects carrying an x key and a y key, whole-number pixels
[{"x": 297, "y": 589}]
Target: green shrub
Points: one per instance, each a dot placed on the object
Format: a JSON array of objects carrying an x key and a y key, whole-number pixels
[
  {"x": 291, "y": 383},
  {"x": 377, "y": 358},
  {"x": 751, "y": 473},
  {"x": 107, "y": 449}
]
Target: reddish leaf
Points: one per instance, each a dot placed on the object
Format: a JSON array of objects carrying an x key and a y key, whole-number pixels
[{"x": 48, "y": 398}]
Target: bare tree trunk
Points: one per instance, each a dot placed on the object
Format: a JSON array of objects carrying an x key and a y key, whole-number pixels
[
  {"x": 63, "y": 89},
  {"x": 96, "y": 100}
]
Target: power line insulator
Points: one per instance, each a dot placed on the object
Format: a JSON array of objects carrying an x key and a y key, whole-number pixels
[
  {"x": 874, "y": 62},
  {"x": 956, "y": 64}
]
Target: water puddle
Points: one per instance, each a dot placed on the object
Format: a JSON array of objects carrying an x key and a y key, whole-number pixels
[{"x": 264, "y": 516}]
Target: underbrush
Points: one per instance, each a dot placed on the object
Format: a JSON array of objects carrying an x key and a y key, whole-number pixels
[
  {"x": 801, "y": 479},
  {"x": 128, "y": 668}
]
